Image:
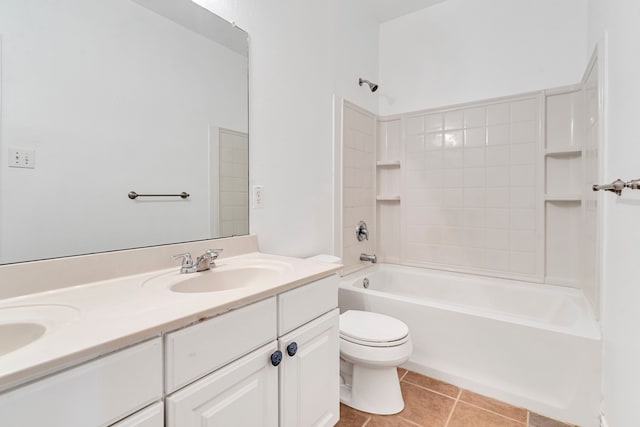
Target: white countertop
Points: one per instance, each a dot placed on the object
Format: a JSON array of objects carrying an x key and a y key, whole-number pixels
[{"x": 108, "y": 315}]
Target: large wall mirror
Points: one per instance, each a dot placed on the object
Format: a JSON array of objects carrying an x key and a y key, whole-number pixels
[{"x": 100, "y": 98}]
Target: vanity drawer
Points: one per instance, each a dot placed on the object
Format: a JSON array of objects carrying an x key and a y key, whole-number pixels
[
  {"x": 97, "y": 393},
  {"x": 305, "y": 303},
  {"x": 195, "y": 351}
]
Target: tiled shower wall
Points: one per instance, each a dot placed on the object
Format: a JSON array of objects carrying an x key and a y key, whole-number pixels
[
  {"x": 471, "y": 188},
  {"x": 358, "y": 186},
  {"x": 499, "y": 187}
]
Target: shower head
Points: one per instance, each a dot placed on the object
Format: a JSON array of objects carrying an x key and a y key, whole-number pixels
[{"x": 372, "y": 86}]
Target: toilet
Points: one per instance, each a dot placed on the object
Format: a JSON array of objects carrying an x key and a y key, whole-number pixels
[{"x": 372, "y": 346}]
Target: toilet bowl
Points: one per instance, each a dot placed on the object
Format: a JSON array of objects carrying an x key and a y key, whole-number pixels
[{"x": 372, "y": 346}]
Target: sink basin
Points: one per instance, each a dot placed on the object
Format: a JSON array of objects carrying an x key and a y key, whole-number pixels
[
  {"x": 23, "y": 325},
  {"x": 17, "y": 335},
  {"x": 224, "y": 277},
  {"x": 227, "y": 279}
]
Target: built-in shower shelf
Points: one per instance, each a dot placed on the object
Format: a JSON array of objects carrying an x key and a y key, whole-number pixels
[
  {"x": 388, "y": 163},
  {"x": 563, "y": 151},
  {"x": 388, "y": 197},
  {"x": 563, "y": 197}
]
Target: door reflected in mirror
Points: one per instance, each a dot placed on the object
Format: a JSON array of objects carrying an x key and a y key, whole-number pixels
[{"x": 101, "y": 98}]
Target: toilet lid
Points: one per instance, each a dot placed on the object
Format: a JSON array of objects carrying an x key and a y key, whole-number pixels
[{"x": 368, "y": 327}]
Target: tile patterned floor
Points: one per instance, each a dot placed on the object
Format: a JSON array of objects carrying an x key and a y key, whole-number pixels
[{"x": 433, "y": 403}]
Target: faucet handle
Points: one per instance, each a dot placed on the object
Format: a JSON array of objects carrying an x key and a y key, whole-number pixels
[
  {"x": 213, "y": 256},
  {"x": 187, "y": 260},
  {"x": 215, "y": 253},
  {"x": 361, "y": 231}
]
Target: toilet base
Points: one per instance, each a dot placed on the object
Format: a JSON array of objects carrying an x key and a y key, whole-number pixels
[{"x": 372, "y": 390}]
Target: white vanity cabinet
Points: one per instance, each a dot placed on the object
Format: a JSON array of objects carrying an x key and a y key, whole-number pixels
[
  {"x": 266, "y": 364},
  {"x": 291, "y": 380},
  {"x": 97, "y": 393}
]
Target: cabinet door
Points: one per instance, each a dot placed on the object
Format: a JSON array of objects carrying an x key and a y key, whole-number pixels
[
  {"x": 310, "y": 378},
  {"x": 244, "y": 393}
]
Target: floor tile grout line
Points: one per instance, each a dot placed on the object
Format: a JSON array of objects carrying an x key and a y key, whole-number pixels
[
  {"x": 458, "y": 399},
  {"x": 410, "y": 422},
  {"x": 453, "y": 408},
  {"x": 431, "y": 390},
  {"x": 525, "y": 423}
]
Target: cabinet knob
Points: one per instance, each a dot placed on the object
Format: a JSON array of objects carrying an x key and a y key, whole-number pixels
[
  {"x": 292, "y": 349},
  {"x": 276, "y": 357}
]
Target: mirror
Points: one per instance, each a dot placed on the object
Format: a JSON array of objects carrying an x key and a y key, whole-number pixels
[{"x": 102, "y": 98}]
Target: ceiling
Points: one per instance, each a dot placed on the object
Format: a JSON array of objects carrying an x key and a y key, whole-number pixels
[{"x": 386, "y": 10}]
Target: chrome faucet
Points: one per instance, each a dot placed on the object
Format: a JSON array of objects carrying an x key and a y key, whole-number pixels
[
  {"x": 204, "y": 262},
  {"x": 370, "y": 258}
]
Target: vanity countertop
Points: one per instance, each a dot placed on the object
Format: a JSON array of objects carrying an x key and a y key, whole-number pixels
[{"x": 104, "y": 316}]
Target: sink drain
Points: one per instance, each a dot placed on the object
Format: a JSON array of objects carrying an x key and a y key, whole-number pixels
[{"x": 365, "y": 283}]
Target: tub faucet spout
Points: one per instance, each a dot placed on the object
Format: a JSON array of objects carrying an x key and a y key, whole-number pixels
[{"x": 370, "y": 258}]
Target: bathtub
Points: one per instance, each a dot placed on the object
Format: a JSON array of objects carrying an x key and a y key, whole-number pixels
[{"x": 532, "y": 345}]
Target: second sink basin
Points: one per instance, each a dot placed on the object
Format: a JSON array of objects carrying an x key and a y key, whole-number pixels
[
  {"x": 17, "y": 335},
  {"x": 23, "y": 325},
  {"x": 225, "y": 277}
]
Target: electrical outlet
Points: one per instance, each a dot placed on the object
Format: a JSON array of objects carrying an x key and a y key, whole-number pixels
[
  {"x": 258, "y": 196},
  {"x": 20, "y": 158}
]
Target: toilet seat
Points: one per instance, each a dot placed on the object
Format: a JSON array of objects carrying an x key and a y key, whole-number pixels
[
  {"x": 372, "y": 329},
  {"x": 375, "y": 344}
]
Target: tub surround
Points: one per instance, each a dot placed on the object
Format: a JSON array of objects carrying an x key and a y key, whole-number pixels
[
  {"x": 497, "y": 187},
  {"x": 109, "y": 314}
]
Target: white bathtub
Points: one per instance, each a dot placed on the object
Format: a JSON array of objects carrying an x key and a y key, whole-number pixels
[{"x": 532, "y": 345}]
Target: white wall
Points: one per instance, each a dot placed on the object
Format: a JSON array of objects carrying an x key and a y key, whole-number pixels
[
  {"x": 355, "y": 52},
  {"x": 621, "y": 269},
  {"x": 300, "y": 53},
  {"x": 87, "y": 98},
  {"x": 467, "y": 50}
]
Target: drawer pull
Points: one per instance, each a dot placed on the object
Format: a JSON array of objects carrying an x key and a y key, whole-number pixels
[
  {"x": 292, "y": 349},
  {"x": 276, "y": 358}
]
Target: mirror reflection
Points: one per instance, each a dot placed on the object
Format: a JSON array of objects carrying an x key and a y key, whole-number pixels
[{"x": 101, "y": 98}]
